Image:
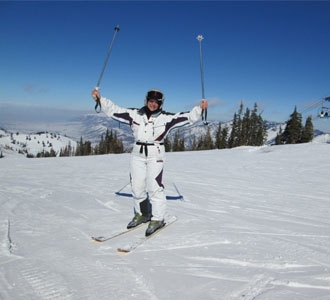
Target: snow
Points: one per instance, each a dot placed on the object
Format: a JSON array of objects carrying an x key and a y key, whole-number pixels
[
  {"x": 254, "y": 224},
  {"x": 33, "y": 143}
]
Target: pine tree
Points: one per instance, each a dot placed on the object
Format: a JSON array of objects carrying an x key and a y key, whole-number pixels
[
  {"x": 67, "y": 151},
  {"x": 117, "y": 144},
  {"x": 193, "y": 144},
  {"x": 208, "y": 141},
  {"x": 167, "y": 144},
  {"x": 83, "y": 148},
  {"x": 221, "y": 138},
  {"x": 80, "y": 150},
  {"x": 178, "y": 143},
  {"x": 218, "y": 137},
  {"x": 176, "y": 146},
  {"x": 293, "y": 129},
  {"x": 307, "y": 134},
  {"x": 87, "y": 148},
  {"x": 245, "y": 131},
  {"x": 52, "y": 153},
  {"x": 224, "y": 136},
  {"x": 102, "y": 146},
  {"x": 181, "y": 144},
  {"x": 235, "y": 130},
  {"x": 200, "y": 143},
  {"x": 109, "y": 144},
  {"x": 278, "y": 139}
]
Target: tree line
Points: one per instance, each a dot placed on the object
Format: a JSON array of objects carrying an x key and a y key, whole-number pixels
[
  {"x": 247, "y": 129},
  {"x": 110, "y": 143},
  {"x": 294, "y": 131}
]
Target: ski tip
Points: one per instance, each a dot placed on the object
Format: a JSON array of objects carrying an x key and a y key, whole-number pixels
[
  {"x": 122, "y": 250},
  {"x": 98, "y": 239}
]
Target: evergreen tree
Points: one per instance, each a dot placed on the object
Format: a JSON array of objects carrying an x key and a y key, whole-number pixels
[
  {"x": 178, "y": 144},
  {"x": 208, "y": 141},
  {"x": 117, "y": 144},
  {"x": 52, "y": 153},
  {"x": 167, "y": 144},
  {"x": 223, "y": 141},
  {"x": 200, "y": 143},
  {"x": 245, "y": 131},
  {"x": 293, "y": 129},
  {"x": 175, "y": 146},
  {"x": 101, "y": 149},
  {"x": 67, "y": 151},
  {"x": 221, "y": 137},
  {"x": 109, "y": 144},
  {"x": 181, "y": 144},
  {"x": 218, "y": 137},
  {"x": 44, "y": 153},
  {"x": 80, "y": 150},
  {"x": 239, "y": 137},
  {"x": 96, "y": 149},
  {"x": 87, "y": 148},
  {"x": 111, "y": 140},
  {"x": 235, "y": 130},
  {"x": 261, "y": 136},
  {"x": 83, "y": 148},
  {"x": 278, "y": 139},
  {"x": 194, "y": 144},
  {"x": 257, "y": 131},
  {"x": 307, "y": 134}
]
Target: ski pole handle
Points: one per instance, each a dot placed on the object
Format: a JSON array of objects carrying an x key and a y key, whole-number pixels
[
  {"x": 96, "y": 97},
  {"x": 97, "y": 100}
]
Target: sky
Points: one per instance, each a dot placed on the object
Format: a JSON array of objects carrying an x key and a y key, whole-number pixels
[{"x": 275, "y": 54}]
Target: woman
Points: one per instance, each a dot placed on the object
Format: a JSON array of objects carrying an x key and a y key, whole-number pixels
[{"x": 150, "y": 126}]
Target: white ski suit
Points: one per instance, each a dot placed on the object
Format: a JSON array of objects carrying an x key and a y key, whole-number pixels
[{"x": 148, "y": 154}]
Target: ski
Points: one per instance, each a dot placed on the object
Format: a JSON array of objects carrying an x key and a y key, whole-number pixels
[
  {"x": 102, "y": 239},
  {"x": 131, "y": 247}
]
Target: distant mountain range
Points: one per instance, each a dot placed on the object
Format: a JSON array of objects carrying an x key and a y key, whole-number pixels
[{"x": 34, "y": 138}]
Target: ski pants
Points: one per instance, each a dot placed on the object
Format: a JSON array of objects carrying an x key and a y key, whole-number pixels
[{"x": 146, "y": 171}]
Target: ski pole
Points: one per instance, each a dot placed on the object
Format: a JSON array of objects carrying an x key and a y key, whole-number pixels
[
  {"x": 204, "y": 111},
  {"x": 97, "y": 99}
]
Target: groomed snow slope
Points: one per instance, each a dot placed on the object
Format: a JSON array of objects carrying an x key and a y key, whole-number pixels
[{"x": 254, "y": 224}]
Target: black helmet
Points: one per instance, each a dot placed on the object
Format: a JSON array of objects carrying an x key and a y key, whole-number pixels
[{"x": 155, "y": 94}]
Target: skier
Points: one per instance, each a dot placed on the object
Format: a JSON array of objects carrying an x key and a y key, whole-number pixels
[{"x": 150, "y": 125}]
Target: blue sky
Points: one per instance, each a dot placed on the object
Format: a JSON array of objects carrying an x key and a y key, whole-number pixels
[{"x": 273, "y": 53}]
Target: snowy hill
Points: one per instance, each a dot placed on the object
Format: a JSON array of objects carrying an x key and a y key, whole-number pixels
[
  {"x": 254, "y": 224},
  {"x": 20, "y": 143}
]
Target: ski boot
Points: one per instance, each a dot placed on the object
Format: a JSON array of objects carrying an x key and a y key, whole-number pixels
[
  {"x": 154, "y": 226},
  {"x": 138, "y": 219}
]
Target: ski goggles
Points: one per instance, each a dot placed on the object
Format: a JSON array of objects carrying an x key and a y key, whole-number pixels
[{"x": 155, "y": 96}]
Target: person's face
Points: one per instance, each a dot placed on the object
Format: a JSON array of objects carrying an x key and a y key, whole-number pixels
[{"x": 152, "y": 105}]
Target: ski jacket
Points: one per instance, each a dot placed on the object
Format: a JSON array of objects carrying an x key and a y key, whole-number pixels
[{"x": 154, "y": 129}]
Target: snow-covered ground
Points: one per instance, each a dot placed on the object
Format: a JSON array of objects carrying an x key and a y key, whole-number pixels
[
  {"x": 28, "y": 143},
  {"x": 254, "y": 224}
]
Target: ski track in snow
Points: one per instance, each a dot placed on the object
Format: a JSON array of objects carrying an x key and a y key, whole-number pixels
[{"x": 254, "y": 225}]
